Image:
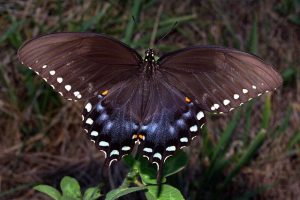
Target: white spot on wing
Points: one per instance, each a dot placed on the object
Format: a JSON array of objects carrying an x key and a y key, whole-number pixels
[
  {"x": 68, "y": 87},
  {"x": 59, "y": 79},
  {"x": 94, "y": 133},
  {"x": 88, "y": 107},
  {"x": 44, "y": 66},
  {"x": 184, "y": 139},
  {"x": 76, "y": 93},
  {"x": 215, "y": 106},
  {"x": 245, "y": 91},
  {"x": 236, "y": 96},
  {"x": 114, "y": 152},
  {"x": 254, "y": 87},
  {"x": 52, "y": 72},
  {"x": 103, "y": 144},
  {"x": 200, "y": 115},
  {"x": 89, "y": 121},
  {"x": 148, "y": 150},
  {"x": 193, "y": 128},
  {"x": 157, "y": 155},
  {"x": 171, "y": 148},
  {"x": 125, "y": 148},
  {"x": 226, "y": 102}
]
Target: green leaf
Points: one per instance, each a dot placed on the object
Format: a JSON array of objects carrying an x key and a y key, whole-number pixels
[
  {"x": 148, "y": 171},
  {"x": 117, "y": 193},
  {"x": 168, "y": 192},
  {"x": 87, "y": 25},
  {"x": 253, "y": 38},
  {"x": 70, "y": 187},
  {"x": 223, "y": 144},
  {"x": 294, "y": 140},
  {"x": 48, "y": 190},
  {"x": 295, "y": 19},
  {"x": 175, "y": 163},
  {"x": 135, "y": 11},
  {"x": 92, "y": 193},
  {"x": 247, "y": 156},
  {"x": 68, "y": 198},
  {"x": 129, "y": 161},
  {"x": 266, "y": 113}
]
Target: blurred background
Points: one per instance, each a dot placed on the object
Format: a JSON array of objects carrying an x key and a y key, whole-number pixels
[{"x": 251, "y": 153}]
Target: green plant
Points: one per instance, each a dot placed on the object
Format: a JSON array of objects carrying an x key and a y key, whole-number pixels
[
  {"x": 70, "y": 191},
  {"x": 142, "y": 175}
]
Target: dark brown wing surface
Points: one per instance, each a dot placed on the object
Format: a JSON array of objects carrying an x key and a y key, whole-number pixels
[
  {"x": 78, "y": 65},
  {"x": 219, "y": 79}
]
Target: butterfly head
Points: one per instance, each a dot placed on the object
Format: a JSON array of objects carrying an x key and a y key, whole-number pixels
[{"x": 149, "y": 56}]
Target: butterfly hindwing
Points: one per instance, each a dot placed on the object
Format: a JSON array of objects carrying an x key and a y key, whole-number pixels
[
  {"x": 111, "y": 119},
  {"x": 170, "y": 120}
]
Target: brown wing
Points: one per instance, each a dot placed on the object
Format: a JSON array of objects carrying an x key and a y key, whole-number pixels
[
  {"x": 219, "y": 79},
  {"x": 78, "y": 65}
]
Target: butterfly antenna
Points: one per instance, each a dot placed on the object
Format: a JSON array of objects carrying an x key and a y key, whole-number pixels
[{"x": 171, "y": 30}]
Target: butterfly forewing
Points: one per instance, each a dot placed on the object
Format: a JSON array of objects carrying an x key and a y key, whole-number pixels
[
  {"x": 78, "y": 65},
  {"x": 219, "y": 79}
]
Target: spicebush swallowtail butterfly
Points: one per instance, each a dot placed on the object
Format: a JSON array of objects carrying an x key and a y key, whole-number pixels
[{"x": 159, "y": 104}]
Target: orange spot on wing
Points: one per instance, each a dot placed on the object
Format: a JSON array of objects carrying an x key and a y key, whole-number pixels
[
  {"x": 138, "y": 136},
  {"x": 104, "y": 92},
  {"x": 188, "y": 100}
]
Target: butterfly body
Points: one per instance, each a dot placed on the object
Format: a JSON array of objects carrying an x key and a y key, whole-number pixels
[
  {"x": 158, "y": 104},
  {"x": 149, "y": 63}
]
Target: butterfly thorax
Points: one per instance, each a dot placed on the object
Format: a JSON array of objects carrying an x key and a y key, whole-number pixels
[{"x": 149, "y": 63}]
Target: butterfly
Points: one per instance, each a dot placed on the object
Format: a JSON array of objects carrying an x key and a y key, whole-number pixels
[{"x": 158, "y": 104}]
